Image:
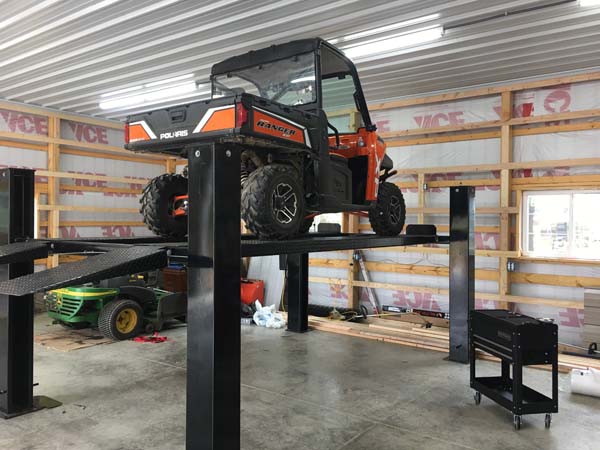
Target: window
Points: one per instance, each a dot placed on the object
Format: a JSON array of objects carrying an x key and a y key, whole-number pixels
[
  {"x": 339, "y": 105},
  {"x": 288, "y": 81},
  {"x": 338, "y": 88},
  {"x": 561, "y": 224}
]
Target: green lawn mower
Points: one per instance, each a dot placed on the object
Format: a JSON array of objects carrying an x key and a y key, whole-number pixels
[{"x": 119, "y": 313}]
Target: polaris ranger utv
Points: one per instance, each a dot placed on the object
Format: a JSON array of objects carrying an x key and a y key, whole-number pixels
[{"x": 278, "y": 105}]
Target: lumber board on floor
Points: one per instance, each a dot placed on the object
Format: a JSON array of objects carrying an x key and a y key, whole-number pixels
[{"x": 433, "y": 338}]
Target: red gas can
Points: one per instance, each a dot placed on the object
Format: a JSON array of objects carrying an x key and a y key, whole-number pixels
[{"x": 252, "y": 290}]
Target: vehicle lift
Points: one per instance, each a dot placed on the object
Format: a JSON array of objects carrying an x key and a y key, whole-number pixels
[{"x": 213, "y": 258}]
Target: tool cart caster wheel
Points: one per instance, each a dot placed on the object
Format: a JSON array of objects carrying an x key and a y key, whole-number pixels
[
  {"x": 548, "y": 420},
  {"x": 517, "y": 422},
  {"x": 477, "y": 397},
  {"x": 149, "y": 328}
]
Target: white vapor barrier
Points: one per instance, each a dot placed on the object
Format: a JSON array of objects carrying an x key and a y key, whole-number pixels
[
  {"x": 139, "y": 173},
  {"x": 555, "y": 146},
  {"x": 537, "y": 102},
  {"x": 438, "y": 115},
  {"x": 111, "y": 167},
  {"x": 483, "y": 151},
  {"x": 22, "y": 158},
  {"x": 111, "y": 231},
  {"x": 23, "y": 123},
  {"x": 91, "y": 134},
  {"x": 557, "y": 99}
]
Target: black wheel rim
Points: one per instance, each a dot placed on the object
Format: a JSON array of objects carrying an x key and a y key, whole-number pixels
[
  {"x": 285, "y": 203},
  {"x": 395, "y": 210}
]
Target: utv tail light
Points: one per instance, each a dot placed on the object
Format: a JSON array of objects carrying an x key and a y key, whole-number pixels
[
  {"x": 241, "y": 115},
  {"x": 127, "y": 133}
]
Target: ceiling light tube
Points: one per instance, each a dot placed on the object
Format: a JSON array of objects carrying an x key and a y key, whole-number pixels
[
  {"x": 585, "y": 3},
  {"x": 393, "y": 26},
  {"x": 149, "y": 97},
  {"x": 394, "y": 43}
]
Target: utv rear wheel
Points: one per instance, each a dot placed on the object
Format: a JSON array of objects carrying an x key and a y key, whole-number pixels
[
  {"x": 273, "y": 202},
  {"x": 388, "y": 213},
  {"x": 121, "y": 319},
  {"x": 159, "y": 202}
]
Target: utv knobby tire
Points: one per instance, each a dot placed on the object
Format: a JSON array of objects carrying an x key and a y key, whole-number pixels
[
  {"x": 157, "y": 204},
  {"x": 258, "y": 208},
  {"x": 107, "y": 320},
  {"x": 388, "y": 213}
]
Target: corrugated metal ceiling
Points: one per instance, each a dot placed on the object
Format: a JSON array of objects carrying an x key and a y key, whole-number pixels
[{"x": 65, "y": 54}]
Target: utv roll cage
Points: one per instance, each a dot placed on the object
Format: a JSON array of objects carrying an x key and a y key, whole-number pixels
[{"x": 330, "y": 62}]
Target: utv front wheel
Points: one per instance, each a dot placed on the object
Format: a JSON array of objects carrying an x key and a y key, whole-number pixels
[
  {"x": 159, "y": 202},
  {"x": 121, "y": 319},
  {"x": 388, "y": 213},
  {"x": 273, "y": 202}
]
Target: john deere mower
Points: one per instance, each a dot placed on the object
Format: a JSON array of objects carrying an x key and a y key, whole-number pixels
[
  {"x": 119, "y": 313},
  {"x": 308, "y": 146}
]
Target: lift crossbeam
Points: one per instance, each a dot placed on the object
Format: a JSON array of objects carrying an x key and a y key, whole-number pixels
[{"x": 133, "y": 255}]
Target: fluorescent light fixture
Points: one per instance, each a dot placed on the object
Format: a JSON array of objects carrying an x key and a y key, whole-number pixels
[
  {"x": 170, "y": 80},
  {"x": 303, "y": 79},
  {"x": 149, "y": 93},
  {"x": 393, "y": 26},
  {"x": 121, "y": 91},
  {"x": 149, "y": 97},
  {"x": 589, "y": 3},
  {"x": 394, "y": 43}
]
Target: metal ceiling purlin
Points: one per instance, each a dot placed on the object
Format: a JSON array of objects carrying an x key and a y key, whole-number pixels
[{"x": 65, "y": 54}]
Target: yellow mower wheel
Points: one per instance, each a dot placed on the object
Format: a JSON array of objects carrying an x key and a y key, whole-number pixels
[{"x": 121, "y": 319}]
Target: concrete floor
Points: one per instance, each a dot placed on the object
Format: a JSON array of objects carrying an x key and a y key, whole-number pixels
[{"x": 316, "y": 391}]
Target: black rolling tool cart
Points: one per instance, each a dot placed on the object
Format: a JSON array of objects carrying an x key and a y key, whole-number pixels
[{"x": 519, "y": 341}]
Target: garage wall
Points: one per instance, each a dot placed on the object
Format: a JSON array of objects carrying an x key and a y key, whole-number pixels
[
  {"x": 87, "y": 184},
  {"x": 472, "y": 141}
]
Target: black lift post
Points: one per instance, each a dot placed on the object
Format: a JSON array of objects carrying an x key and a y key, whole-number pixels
[
  {"x": 16, "y": 313},
  {"x": 297, "y": 292},
  {"x": 213, "y": 254},
  {"x": 213, "y": 363},
  {"x": 462, "y": 269}
]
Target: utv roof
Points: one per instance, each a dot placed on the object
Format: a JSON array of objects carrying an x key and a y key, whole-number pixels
[{"x": 270, "y": 54}]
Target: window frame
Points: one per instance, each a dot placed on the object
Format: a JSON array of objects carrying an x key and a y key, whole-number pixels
[{"x": 571, "y": 228}]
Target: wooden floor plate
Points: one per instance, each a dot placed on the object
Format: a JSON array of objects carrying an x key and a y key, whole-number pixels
[{"x": 65, "y": 340}]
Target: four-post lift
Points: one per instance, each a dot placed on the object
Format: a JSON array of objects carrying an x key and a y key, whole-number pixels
[{"x": 213, "y": 252}]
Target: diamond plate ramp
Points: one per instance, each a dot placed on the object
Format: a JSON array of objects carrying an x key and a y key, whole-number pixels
[
  {"x": 23, "y": 251},
  {"x": 121, "y": 261}
]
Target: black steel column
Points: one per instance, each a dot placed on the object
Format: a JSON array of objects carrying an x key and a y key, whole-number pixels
[
  {"x": 213, "y": 368},
  {"x": 462, "y": 269},
  {"x": 297, "y": 292},
  {"x": 16, "y": 313}
]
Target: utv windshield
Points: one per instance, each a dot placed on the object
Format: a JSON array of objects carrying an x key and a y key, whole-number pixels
[{"x": 288, "y": 81}]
